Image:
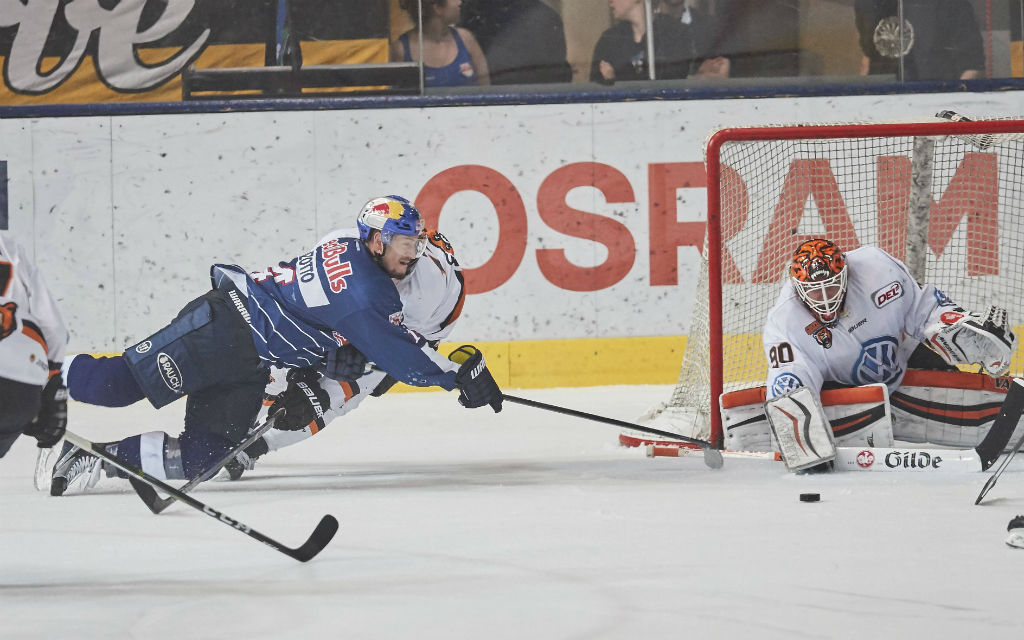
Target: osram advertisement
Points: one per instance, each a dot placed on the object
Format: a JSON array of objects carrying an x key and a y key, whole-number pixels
[{"x": 573, "y": 222}]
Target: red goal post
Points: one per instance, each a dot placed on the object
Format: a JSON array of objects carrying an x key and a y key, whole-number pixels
[{"x": 946, "y": 197}]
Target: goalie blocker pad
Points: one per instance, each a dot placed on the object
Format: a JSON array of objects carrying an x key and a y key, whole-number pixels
[
  {"x": 801, "y": 429},
  {"x": 858, "y": 416}
]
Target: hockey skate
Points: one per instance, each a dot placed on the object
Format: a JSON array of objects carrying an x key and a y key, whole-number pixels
[{"x": 76, "y": 468}]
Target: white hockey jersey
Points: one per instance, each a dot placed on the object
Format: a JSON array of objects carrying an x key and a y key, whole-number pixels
[
  {"x": 881, "y": 323},
  {"x": 32, "y": 333}
]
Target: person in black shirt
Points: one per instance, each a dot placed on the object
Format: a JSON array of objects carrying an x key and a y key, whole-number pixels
[
  {"x": 524, "y": 40},
  {"x": 621, "y": 51},
  {"x": 940, "y": 39}
]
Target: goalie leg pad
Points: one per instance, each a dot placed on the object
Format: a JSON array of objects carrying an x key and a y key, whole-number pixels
[{"x": 801, "y": 429}]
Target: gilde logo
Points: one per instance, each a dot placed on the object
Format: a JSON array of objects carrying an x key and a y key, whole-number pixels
[
  {"x": 169, "y": 372},
  {"x": 887, "y": 294},
  {"x": 144, "y": 347},
  {"x": 912, "y": 460},
  {"x": 865, "y": 459}
]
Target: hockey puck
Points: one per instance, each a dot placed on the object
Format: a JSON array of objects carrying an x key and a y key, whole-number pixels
[{"x": 810, "y": 497}]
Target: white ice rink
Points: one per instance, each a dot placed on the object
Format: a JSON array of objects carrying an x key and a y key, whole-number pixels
[{"x": 528, "y": 524}]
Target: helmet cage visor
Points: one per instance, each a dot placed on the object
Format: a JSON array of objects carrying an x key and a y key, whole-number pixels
[{"x": 824, "y": 297}]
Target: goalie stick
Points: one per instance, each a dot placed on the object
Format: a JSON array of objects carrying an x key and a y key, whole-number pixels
[
  {"x": 321, "y": 536},
  {"x": 999, "y": 434},
  {"x": 712, "y": 457},
  {"x": 157, "y": 504}
]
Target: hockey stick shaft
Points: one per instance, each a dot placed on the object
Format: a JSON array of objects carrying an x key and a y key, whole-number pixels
[
  {"x": 712, "y": 457},
  {"x": 321, "y": 536},
  {"x": 991, "y": 482},
  {"x": 157, "y": 504},
  {"x": 999, "y": 434}
]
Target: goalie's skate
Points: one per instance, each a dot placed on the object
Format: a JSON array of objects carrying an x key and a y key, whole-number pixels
[{"x": 76, "y": 469}]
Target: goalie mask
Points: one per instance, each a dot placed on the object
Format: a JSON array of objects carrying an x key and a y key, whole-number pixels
[
  {"x": 400, "y": 224},
  {"x": 818, "y": 272}
]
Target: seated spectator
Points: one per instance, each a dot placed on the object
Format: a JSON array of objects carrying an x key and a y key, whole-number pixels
[
  {"x": 940, "y": 39},
  {"x": 451, "y": 55},
  {"x": 699, "y": 24},
  {"x": 621, "y": 51},
  {"x": 524, "y": 40}
]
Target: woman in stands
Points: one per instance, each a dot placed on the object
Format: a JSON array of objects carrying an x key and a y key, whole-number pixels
[{"x": 451, "y": 55}]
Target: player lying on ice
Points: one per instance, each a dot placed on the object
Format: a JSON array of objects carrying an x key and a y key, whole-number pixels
[
  {"x": 860, "y": 318},
  {"x": 219, "y": 349},
  {"x": 433, "y": 295}
]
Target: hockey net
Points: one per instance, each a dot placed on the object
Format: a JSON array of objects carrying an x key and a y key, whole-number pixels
[{"x": 944, "y": 196}]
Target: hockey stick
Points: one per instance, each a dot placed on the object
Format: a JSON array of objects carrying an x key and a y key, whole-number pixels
[
  {"x": 997, "y": 436},
  {"x": 321, "y": 536},
  {"x": 712, "y": 457},
  {"x": 990, "y": 448},
  {"x": 157, "y": 504},
  {"x": 991, "y": 482}
]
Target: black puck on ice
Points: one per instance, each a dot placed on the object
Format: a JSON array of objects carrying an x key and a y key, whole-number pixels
[{"x": 810, "y": 497}]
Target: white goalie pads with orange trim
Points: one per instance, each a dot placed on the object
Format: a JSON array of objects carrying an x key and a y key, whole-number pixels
[
  {"x": 949, "y": 408},
  {"x": 801, "y": 429},
  {"x": 858, "y": 416}
]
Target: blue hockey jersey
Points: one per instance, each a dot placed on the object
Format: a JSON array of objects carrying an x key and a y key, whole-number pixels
[{"x": 302, "y": 309}]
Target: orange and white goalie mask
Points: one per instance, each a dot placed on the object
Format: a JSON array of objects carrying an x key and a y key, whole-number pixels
[{"x": 818, "y": 272}]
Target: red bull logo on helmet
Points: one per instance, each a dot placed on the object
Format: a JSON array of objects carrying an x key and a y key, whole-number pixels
[{"x": 391, "y": 209}]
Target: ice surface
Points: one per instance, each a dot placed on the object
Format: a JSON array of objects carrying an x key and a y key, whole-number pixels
[{"x": 527, "y": 524}]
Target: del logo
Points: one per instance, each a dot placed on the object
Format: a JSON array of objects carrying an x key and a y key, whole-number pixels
[
  {"x": 865, "y": 459},
  {"x": 169, "y": 371},
  {"x": 887, "y": 294}
]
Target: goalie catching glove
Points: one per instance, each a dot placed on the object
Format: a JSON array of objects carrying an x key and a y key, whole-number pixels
[
  {"x": 303, "y": 402},
  {"x": 964, "y": 338},
  {"x": 475, "y": 383}
]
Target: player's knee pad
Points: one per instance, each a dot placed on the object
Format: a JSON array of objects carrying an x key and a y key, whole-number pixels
[{"x": 155, "y": 452}]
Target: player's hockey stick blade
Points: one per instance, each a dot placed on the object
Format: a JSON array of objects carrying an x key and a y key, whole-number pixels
[
  {"x": 991, "y": 482},
  {"x": 712, "y": 456},
  {"x": 157, "y": 504},
  {"x": 316, "y": 542},
  {"x": 991, "y": 447}
]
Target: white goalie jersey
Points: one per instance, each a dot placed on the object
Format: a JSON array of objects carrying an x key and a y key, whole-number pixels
[
  {"x": 882, "y": 321},
  {"x": 32, "y": 333}
]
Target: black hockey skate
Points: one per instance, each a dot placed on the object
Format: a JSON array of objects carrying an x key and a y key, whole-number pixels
[
  {"x": 74, "y": 466},
  {"x": 238, "y": 465}
]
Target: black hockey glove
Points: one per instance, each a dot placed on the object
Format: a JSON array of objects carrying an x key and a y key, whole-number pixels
[
  {"x": 49, "y": 426},
  {"x": 303, "y": 402},
  {"x": 345, "y": 363},
  {"x": 475, "y": 383}
]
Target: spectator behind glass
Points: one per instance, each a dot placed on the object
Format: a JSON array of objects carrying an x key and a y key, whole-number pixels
[
  {"x": 524, "y": 40},
  {"x": 940, "y": 40},
  {"x": 699, "y": 25},
  {"x": 451, "y": 55},
  {"x": 621, "y": 51}
]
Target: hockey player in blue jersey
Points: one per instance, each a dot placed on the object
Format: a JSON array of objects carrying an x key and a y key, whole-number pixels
[{"x": 294, "y": 314}]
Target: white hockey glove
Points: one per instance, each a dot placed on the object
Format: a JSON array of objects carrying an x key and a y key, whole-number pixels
[{"x": 963, "y": 337}]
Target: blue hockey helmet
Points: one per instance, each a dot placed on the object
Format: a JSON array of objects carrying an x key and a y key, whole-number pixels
[{"x": 392, "y": 215}]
